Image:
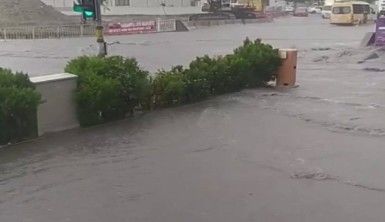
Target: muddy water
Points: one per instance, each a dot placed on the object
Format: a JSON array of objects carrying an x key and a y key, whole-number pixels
[
  {"x": 313, "y": 153},
  {"x": 223, "y": 160},
  {"x": 163, "y": 50}
]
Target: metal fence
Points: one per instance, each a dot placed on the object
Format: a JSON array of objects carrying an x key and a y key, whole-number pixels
[
  {"x": 46, "y": 32},
  {"x": 67, "y": 31},
  {"x": 168, "y": 25}
]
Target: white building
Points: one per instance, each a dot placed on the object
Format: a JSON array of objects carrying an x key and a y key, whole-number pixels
[
  {"x": 137, "y": 7},
  {"x": 277, "y": 4}
]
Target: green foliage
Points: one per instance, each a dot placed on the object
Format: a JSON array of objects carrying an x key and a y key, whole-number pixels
[
  {"x": 99, "y": 100},
  {"x": 220, "y": 72},
  {"x": 108, "y": 88},
  {"x": 169, "y": 87},
  {"x": 16, "y": 80},
  {"x": 197, "y": 85},
  {"x": 18, "y": 106},
  {"x": 251, "y": 65},
  {"x": 256, "y": 62}
]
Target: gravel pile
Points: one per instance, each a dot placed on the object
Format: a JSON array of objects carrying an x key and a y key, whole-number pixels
[{"x": 30, "y": 12}]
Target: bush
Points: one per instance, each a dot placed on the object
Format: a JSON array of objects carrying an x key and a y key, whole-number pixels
[
  {"x": 256, "y": 62},
  {"x": 197, "y": 85},
  {"x": 99, "y": 100},
  {"x": 179, "y": 86},
  {"x": 108, "y": 88},
  {"x": 218, "y": 73},
  {"x": 169, "y": 87},
  {"x": 18, "y": 107},
  {"x": 251, "y": 65}
]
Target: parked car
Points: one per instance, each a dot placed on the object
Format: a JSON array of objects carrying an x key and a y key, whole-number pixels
[
  {"x": 289, "y": 9},
  {"x": 314, "y": 9},
  {"x": 301, "y": 11},
  {"x": 326, "y": 11}
]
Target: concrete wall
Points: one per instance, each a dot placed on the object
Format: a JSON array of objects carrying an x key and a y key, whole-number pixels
[{"x": 58, "y": 111}]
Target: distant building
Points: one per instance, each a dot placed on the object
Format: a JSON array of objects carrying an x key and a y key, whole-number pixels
[
  {"x": 137, "y": 7},
  {"x": 153, "y": 3},
  {"x": 277, "y": 4},
  {"x": 152, "y": 7},
  {"x": 329, "y": 2}
]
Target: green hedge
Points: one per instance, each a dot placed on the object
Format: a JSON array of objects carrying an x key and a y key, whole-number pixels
[
  {"x": 18, "y": 106},
  {"x": 110, "y": 88},
  {"x": 254, "y": 64}
]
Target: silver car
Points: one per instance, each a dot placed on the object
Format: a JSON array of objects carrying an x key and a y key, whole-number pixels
[{"x": 326, "y": 11}]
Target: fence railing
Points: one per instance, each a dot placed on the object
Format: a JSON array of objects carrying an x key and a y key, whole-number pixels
[
  {"x": 67, "y": 31},
  {"x": 168, "y": 25},
  {"x": 46, "y": 32}
]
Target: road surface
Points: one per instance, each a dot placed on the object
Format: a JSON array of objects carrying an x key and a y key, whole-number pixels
[{"x": 314, "y": 153}]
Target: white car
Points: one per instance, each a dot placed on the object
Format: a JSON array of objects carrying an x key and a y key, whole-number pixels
[
  {"x": 326, "y": 11},
  {"x": 289, "y": 9},
  {"x": 314, "y": 10}
]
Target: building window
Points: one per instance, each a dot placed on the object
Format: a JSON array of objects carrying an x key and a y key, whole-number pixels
[{"x": 122, "y": 2}]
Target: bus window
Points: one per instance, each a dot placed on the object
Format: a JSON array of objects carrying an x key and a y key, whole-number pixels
[
  {"x": 341, "y": 10},
  {"x": 327, "y": 8},
  {"x": 358, "y": 9}
]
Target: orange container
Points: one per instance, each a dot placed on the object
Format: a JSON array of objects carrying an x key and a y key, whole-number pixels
[{"x": 286, "y": 76}]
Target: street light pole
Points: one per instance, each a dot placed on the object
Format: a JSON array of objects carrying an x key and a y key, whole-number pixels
[{"x": 99, "y": 29}]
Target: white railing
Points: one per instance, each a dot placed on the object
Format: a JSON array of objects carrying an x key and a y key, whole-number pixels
[
  {"x": 168, "y": 25},
  {"x": 46, "y": 32},
  {"x": 68, "y": 31}
]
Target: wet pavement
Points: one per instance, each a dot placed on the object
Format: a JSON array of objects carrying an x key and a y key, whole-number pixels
[{"x": 313, "y": 153}]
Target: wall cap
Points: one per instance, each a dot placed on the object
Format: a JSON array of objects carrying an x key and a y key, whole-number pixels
[{"x": 52, "y": 78}]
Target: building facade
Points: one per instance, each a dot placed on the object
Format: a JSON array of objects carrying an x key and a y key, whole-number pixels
[
  {"x": 137, "y": 7},
  {"x": 153, "y": 3}
]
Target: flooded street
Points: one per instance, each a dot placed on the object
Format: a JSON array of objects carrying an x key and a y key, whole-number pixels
[
  {"x": 163, "y": 50},
  {"x": 313, "y": 153}
]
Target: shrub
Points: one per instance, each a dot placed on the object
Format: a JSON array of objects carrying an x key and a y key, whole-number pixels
[
  {"x": 197, "y": 85},
  {"x": 18, "y": 106},
  {"x": 256, "y": 62},
  {"x": 108, "y": 88},
  {"x": 99, "y": 100},
  {"x": 251, "y": 65},
  {"x": 218, "y": 73},
  {"x": 169, "y": 87}
]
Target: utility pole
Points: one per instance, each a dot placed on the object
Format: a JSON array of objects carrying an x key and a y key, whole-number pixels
[{"x": 99, "y": 29}]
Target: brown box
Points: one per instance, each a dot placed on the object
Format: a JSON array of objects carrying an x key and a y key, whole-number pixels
[{"x": 286, "y": 76}]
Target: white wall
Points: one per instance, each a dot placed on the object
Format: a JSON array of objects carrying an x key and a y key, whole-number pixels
[{"x": 58, "y": 110}]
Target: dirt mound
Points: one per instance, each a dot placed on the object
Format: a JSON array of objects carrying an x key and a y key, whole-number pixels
[{"x": 28, "y": 12}]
